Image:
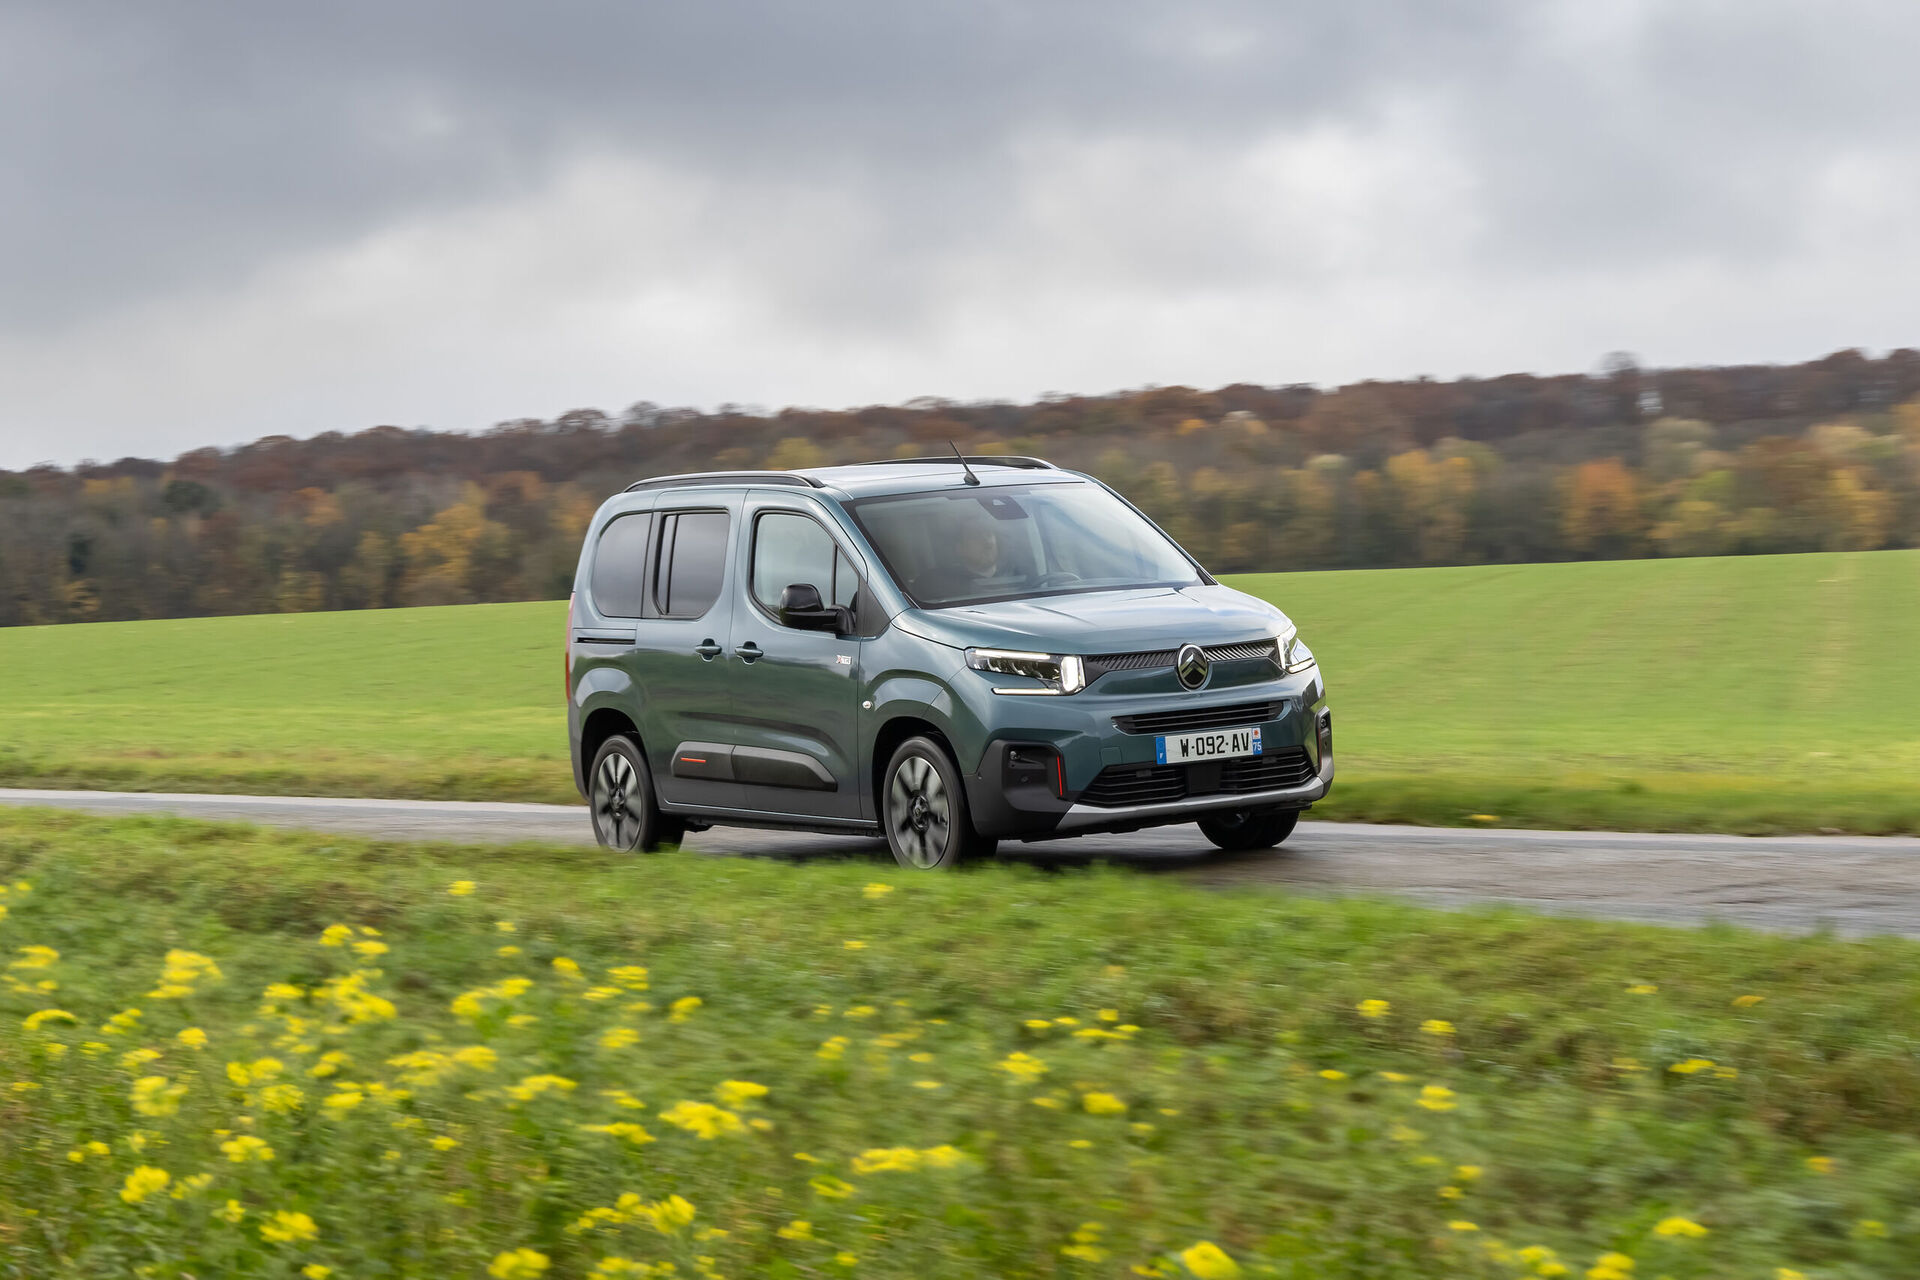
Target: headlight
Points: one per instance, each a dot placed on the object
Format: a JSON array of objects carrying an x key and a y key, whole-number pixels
[
  {"x": 1291, "y": 652},
  {"x": 1056, "y": 673}
]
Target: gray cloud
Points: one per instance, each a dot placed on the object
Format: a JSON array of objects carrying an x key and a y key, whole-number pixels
[{"x": 222, "y": 221}]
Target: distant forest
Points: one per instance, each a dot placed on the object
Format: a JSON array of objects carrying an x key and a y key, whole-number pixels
[{"x": 1626, "y": 462}]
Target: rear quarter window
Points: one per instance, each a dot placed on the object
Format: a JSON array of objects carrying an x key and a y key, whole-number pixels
[{"x": 618, "y": 582}]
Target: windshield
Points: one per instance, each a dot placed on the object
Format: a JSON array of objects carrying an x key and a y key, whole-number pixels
[{"x": 972, "y": 546}]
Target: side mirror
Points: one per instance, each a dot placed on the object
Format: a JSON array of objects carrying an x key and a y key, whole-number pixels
[{"x": 802, "y": 609}]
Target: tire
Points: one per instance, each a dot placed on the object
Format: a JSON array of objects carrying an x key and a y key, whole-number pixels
[
  {"x": 620, "y": 801},
  {"x": 1244, "y": 830},
  {"x": 923, "y": 809}
]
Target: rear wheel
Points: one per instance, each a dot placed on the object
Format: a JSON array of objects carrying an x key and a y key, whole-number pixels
[
  {"x": 924, "y": 809},
  {"x": 626, "y": 817},
  {"x": 1242, "y": 830}
]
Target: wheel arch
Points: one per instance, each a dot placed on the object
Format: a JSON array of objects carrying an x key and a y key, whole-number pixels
[{"x": 601, "y": 723}]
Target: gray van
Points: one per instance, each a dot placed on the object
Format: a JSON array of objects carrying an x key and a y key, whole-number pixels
[{"x": 948, "y": 652}]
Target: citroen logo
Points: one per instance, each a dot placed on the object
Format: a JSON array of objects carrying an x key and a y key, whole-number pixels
[{"x": 1192, "y": 666}]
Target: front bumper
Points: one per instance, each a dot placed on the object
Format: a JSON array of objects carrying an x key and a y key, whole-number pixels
[{"x": 1070, "y": 769}]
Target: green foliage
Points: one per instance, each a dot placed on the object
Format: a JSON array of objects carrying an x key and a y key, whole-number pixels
[
  {"x": 1631, "y": 694},
  {"x": 1000, "y": 1072}
]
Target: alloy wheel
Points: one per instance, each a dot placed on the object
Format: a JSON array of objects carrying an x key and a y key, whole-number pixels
[
  {"x": 613, "y": 800},
  {"x": 919, "y": 812}
]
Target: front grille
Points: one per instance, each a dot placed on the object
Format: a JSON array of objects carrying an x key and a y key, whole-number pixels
[
  {"x": 1120, "y": 785},
  {"x": 1196, "y": 719},
  {"x": 1289, "y": 767},
  {"x": 1101, "y": 663},
  {"x": 1136, "y": 784}
]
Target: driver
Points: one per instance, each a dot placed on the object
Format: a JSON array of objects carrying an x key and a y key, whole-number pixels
[{"x": 978, "y": 550}]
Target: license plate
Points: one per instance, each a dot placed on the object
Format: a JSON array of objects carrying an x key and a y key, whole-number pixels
[{"x": 1220, "y": 744}]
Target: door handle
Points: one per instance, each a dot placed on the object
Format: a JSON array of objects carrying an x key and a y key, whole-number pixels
[
  {"x": 748, "y": 651},
  {"x": 707, "y": 649}
]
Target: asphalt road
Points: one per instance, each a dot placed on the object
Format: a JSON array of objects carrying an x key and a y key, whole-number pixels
[{"x": 1851, "y": 884}]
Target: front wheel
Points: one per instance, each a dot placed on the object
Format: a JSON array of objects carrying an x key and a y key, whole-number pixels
[
  {"x": 626, "y": 817},
  {"x": 1244, "y": 830},
  {"x": 924, "y": 809}
]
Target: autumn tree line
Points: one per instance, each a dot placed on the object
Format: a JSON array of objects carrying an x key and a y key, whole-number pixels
[{"x": 1625, "y": 462}]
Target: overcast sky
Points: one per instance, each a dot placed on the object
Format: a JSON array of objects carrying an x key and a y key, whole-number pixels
[{"x": 223, "y": 221}]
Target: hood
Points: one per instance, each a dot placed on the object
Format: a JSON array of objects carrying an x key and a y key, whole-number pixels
[{"x": 1103, "y": 621}]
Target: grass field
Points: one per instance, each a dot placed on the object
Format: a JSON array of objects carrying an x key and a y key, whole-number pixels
[
  {"x": 231, "y": 1052},
  {"x": 1744, "y": 694}
]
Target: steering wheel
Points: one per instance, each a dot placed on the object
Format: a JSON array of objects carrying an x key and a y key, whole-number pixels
[{"x": 1058, "y": 578}]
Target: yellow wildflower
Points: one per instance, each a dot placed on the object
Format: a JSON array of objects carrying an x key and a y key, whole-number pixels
[
  {"x": 505, "y": 926},
  {"x": 1679, "y": 1227},
  {"x": 1461, "y": 1224},
  {"x": 143, "y": 1182},
  {"x": 854, "y": 944},
  {"x": 619, "y": 1038},
  {"x": 518, "y": 1264},
  {"x": 702, "y": 1119},
  {"x": 368, "y": 949},
  {"x": 153, "y": 1096},
  {"x": 1642, "y": 989},
  {"x": 798, "y": 1229},
  {"x": 533, "y": 1086},
  {"x": 1437, "y": 1027},
  {"x": 477, "y": 1056},
  {"x": 567, "y": 968},
  {"x": 1788, "y": 1273},
  {"x": 1436, "y": 1097},
  {"x": 831, "y": 1048},
  {"x": 1747, "y": 1002},
  {"x": 441, "y": 1142},
  {"x": 1022, "y": 1067},
  {"x": 231, "y": 1211},
  {"x": 1468, "y": 1172},
  {"x": 286, "y": 1227},
  {"x": 1870, "y": 1229},
  {"x": 1690, "y": 1066},
  {"x": 667, "y": 1216},
  {"x": 1820, "y": 1164},
  {"x": 831, "y": 1187},
  {"x": 507, "y": 952},
  {"x": 1208, "y": 1261},
  {"x": 35, "y": 957},
  {"x": 461, "y": 888},
  {"x": 1332, "y": 1073},
  {"x": 860, "y": 1011},
  {"x": 39, "y": 1018},
  {"x": 739, "y": 1093},
  {"x": 335, "y": 935},
  {"x": 621, "y": 1129},
  {"x": 316, "y": 1271},
  {"x": 1373, "y": 1008},
  {"x": 1103, "y": 1104},
  {"x": 682, "y": 1009},
  {"x": 246, "y": 1147},
  {"x": 344, "y": 1101},
  {"x": 192, "y": 1038},
  {"x": 192, "y": 1185},
  {"x": 1611, "y": 1266},
  {"x": 877, "y": 890}
]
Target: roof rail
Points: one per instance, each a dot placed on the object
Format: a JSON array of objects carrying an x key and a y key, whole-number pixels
[
  {"x": 792, "y": 478},
  {"x": 984, "y": 459}
]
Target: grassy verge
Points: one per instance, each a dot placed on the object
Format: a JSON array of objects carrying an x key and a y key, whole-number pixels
[
  {"x": 1754, "y": 694},
  {"x": 996, "y": 1073}
]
